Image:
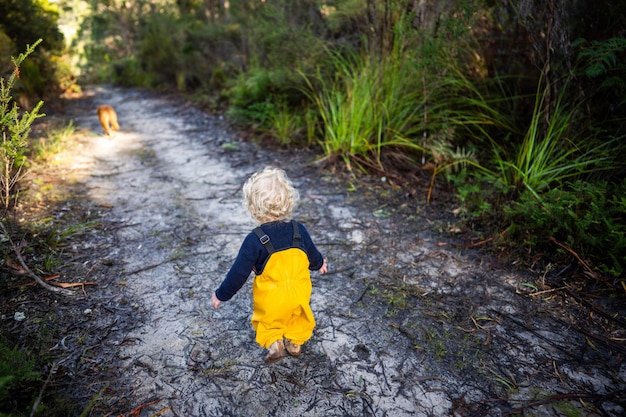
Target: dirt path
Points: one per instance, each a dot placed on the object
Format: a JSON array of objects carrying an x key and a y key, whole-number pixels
[{"x": 406, "y": 326}]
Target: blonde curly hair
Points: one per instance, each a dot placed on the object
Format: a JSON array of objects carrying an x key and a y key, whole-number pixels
[{"x": 269, "y": 195}]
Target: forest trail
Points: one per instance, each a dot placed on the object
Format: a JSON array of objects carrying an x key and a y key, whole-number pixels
[{"x": 407, "y": 326}]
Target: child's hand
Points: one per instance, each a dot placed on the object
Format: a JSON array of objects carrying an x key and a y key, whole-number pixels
[
  {"x": 215, "y": 301},
  {"x": 324, "y": 267}
]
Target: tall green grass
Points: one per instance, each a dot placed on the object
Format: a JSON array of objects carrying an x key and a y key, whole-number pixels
[
  {"x": 427, "y": 105},
  {"x": 285, "y": 125},
  {"x": 554, "y": 149},
  {"x": 365, "y": 106}
]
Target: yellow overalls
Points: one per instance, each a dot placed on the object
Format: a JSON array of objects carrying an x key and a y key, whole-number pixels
[{"x": 281, "y": 296}]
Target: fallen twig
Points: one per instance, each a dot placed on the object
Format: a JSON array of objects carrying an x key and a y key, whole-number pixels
[
  {"x": 137, "y": 410},
  {"x": 56, "y": 284},
  {"x": 481, "y": 242},
  {"x": 431, "y": 186},
  {"x": 473, "y": 245},
  {"x": 18, "y": 253},
  {"x": 596, "y": 309},
  {"x": 580, "y": 260},
  {"x": 564, "y": 397},
  {"x": 53, "y": 369},
  {"x": 29, "y": 284},
  {"x": 537, "y": 334},
  {"x": 72, "y": 284},
  {"x": 167, "y": 261},
  {"x": 546, "y": 291}
]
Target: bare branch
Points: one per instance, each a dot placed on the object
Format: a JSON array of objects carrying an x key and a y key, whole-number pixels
[{"x": 30, "y": 273}]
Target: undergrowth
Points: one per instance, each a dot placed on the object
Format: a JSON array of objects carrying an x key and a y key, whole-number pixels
[
  {"x": 18, "y": 376},
  {"x": 27, "y": 246},
  {"x": 587, "y": 217},
  {"x": 360, "y": 87}
]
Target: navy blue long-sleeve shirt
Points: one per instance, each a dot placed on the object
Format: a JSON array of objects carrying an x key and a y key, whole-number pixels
[{"x": 253, "y": 255}]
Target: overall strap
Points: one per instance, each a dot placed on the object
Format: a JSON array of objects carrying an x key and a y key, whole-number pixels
[
  {"x": 265, "y": 240},
  {"x": 296, "y": 234}
]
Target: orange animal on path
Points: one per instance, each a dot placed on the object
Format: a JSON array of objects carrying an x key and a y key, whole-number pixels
[{"x": 108, "y": 119}]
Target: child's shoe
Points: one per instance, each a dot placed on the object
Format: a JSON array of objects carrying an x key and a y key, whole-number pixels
[
  {"x": 276, "y": 352},
  {"x": 292, "y": 348}
]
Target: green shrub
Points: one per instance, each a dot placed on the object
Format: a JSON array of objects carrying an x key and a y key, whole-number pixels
[
  {"x": 24, "y": 22},
  {"x": 261, "y": 96},
  {"x": 14, "y": 127},
  {"x": 478, "y": 194},
  {"x": 161, "y": 49},
  {"x": 6, "y": 51},
  {"x": 250, "y": 88},
  {"x": 587, "y": 217},
  {"x": 125, "y": 72},
  {"x": 17, "y": 376},
  {"x": 285, "y": 126},
  {"x": 601, "y": 59},
  {"x": 367, "y": 105}
]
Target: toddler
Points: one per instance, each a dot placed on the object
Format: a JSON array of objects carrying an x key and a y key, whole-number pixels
[{"x": 281, "y": 253}]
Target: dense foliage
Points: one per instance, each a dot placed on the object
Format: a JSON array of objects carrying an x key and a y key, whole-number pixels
[
  {"x": 22, "y": 23},
  {"x": 512, "y": 102},
  {"x": 17, "y": 368},
  {"x": 15, "y": 126}
]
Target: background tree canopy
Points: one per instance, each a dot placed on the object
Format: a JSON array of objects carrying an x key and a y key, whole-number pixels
[
  {"x": 22, "y": 23},
  {"x": 519, "y": 105}
]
